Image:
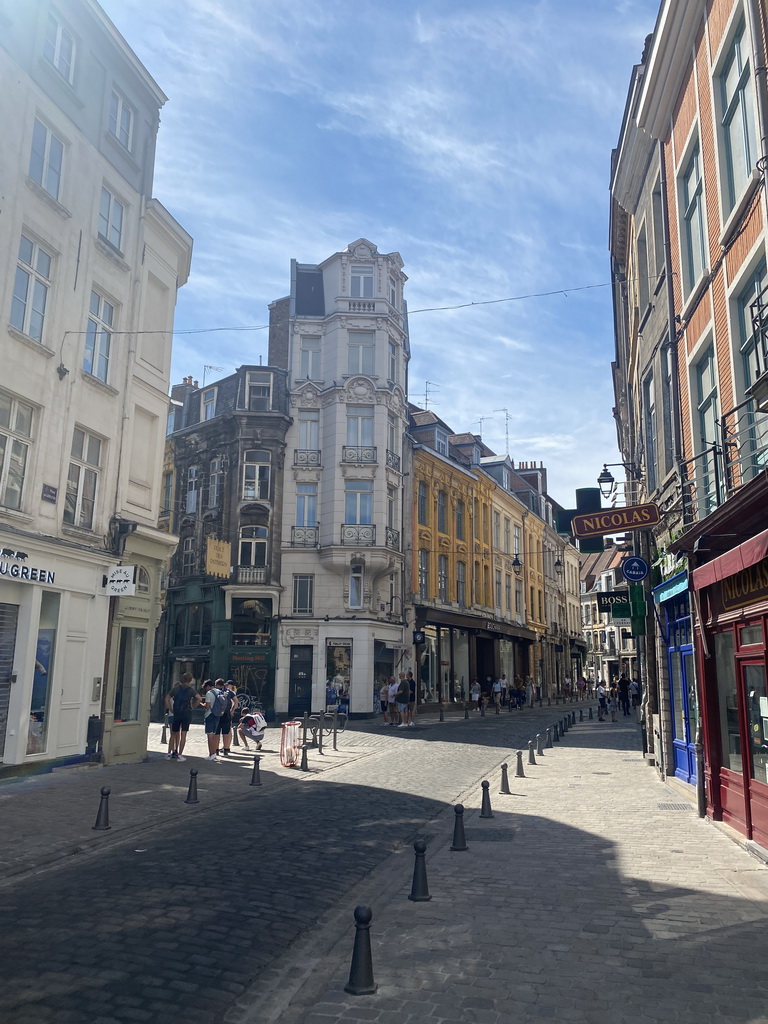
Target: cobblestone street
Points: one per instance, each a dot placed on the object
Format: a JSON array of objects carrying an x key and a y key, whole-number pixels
[{"x": 595, "y": 894}]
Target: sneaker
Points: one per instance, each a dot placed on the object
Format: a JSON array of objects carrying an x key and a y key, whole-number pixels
[
  {"x": 224, "y": 752},
  {"x": 402, "y": 726},
  {"x": 411, "y": 725},
  {"x": 180, "y": 758},
  {"x": 168, "y": 757},
  {"x": 210, "y": 757}
]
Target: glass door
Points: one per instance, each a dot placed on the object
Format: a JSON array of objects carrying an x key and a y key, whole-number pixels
[
  {"x": 756, "y": 705},
  {"x": 685, "y": 712}
]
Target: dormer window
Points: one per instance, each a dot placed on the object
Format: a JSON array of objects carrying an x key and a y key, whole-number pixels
[
  {"x": 362, "y": 283},
  {"x": 505, "y": 479},
  {"x": 259, "y": 392},
  {"x": 441, "y": 441}
]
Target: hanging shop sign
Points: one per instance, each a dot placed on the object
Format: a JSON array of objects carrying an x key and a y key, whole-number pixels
[
  {"x": 607, "y": 599},
  {"x": 218, "y": 557},
  {"x": 616, "y": 520},
  {"x": 121, "y": 581},
  {"x": 12, "y": 563}
]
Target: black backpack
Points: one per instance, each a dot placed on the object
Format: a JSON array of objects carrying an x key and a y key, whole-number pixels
[{"x": 182, "y": 700}]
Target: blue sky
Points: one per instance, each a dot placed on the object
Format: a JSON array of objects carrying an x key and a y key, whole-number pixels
[{"x": 473, "y": 137}]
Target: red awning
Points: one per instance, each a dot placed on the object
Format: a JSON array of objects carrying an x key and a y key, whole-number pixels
[{"x": 749, "y": 553}]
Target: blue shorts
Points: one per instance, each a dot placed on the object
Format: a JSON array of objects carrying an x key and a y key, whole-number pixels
[
  {"x": 402, "y": 707},
  {"x": 211, "y": 724}
]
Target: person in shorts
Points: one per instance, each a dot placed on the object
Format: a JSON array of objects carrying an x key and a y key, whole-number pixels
[
  {"x": 411, "y": 698},
  {"x": 181, "y": 702},
  {"x": 384, "y": 701},
  {"x": 211, "y": 721},
  {"x": 402, "y": 697},
  {"x": 394, "y": 686},
  {"x": 225, "y": 721}
]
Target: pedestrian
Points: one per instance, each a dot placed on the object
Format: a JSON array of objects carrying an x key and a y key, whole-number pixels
[
  {"x": 602, "y": 701},
  {"x": 384, "y": 701},
  {"x": 181, "y": 701},
  {"x": 411, "y": 698},
  {"x": 504, "y": 690},
  {"x": 496, "y": 691},
  {"x": 581, "y": 686},
  {"x": 613, "y": 700},
  {"x": 215, "y": 705},
  {"x": 529, "y": 691},
  {"x": 475, "y": 693},
  {"x": 634, "y": 692},
  {"x": 624, "y": 693},
  {"x": 252, "y": 726},
  {"x": 403, "y": 698},
  {"x": 567, "y": 688},
  {"x": 392, "y": 701},
  {"x": 225, "y": 720}
]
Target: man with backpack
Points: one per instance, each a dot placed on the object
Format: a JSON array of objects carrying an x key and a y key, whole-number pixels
[
  {"x": 181, "y": 701},
  {"x": 224, "y": 730},
  {"x": 216, "y": 704}
]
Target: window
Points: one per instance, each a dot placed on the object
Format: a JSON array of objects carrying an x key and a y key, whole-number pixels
[
  {"x": 167, "y": 500},
  {"x": 306, "y": 504},
  {"x": 303, "y": 594},
  {"x": 192, "y": 487},
  {"x": 362, "y": 282},
  {"x": 441, "y": 441},
  {"x": 356, "y": 572},
  {"x": 649, "y": 420},
  {"x": 259, "y": 388},
  {"x": 358, "y": 502},
  {"x": 442, "y": 577},
  {"x": 82, "y": 478},
  {"x": 477, "y": 584},
  {"x": 59, "y": 47},
  {"x": 392, "y": 362},
  {"x": 392, "y": 508},
  {"x": 142, "y": 581},
  {"x": 46, "y": 159},
  {"x": 98, "y": 336},
  {"x": 111, "y": 212},
  {"x": 120, "y": 120},
  {"x": 441, "y": 509},
  {"x": 361, "y": 352},
  {"x": 423, "y": 574},
  {"x": 668, "y": 383},
  {"x": 130, "y": 670},
  {"x": 707, "y": 410},
  {"x": 253, "y": 546},
  {"x": 519, "y": 600},
  {"x": 508, "y": 595},
  {"x": 310, "y": 357},
  {"x": 309, "y": 429},
  {"x": 216, "y": 482},
  {"x": 393, "y": 292},
  {"x": 497, "y": 588},
  {"x": 392, "y": 444},
  {"x": 421, "y": 504},
  {"x": 497, "y": 530},
  {"x": 188, "y": 556},
  {"x": 643, "y": 290},
  {"x": 754, "y": 453},
  {"x": 459, "y": 520},
  {"x": 15, "y": 435},
  {"x": 517, "y": 534},
  {"x": 504, "y": 476},
  {"x": 359, "y": 425},
  {"x": 738, "y": 105},
  {"x": 485, "y": 523},
  {"x": 657, "y": 214},
  {"x": 461, "y": 583},
  {"x": 209, "y": 404},
  {"x": 507, "y": 534},
  {"x": 30, "y": 289},
  {"x": 256, "y": 473},
  {"x": 694, "y": 237}
]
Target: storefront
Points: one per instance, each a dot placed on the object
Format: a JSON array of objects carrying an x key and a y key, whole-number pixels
[{"x": 731, "y": 597}]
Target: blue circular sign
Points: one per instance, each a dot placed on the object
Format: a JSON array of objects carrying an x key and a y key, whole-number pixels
[{"x": 634, "y": 569}]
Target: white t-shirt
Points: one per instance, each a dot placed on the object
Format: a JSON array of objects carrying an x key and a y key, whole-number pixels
[
  {"x": 601, "y": 691},
  {"x": 475, "y": 691},
  {"x": 497, "y": 686},
  {"x": 393, "y": 688}
]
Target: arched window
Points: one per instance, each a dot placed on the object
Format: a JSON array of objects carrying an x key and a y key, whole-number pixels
[{"x": 142, "y": 581}]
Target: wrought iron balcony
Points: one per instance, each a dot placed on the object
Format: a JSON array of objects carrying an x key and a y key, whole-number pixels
[
  {"x": 304, "y": 536},
  {"x": 358, "y": 534},
  {"x": 251, "y": 574},
  {"x": 358, "y": 453},
  {"x": 306, "y": 457},
  {"x": 393, "y": 461},
  {"x": 393, "y": 538}
]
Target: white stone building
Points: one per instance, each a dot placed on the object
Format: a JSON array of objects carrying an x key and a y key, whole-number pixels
[
  {"x": 343, "y": 335},
  {"x": 90, "y": 264}
]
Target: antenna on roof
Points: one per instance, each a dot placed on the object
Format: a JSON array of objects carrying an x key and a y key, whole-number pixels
[
  {"x": 427, "y": 385},
  {"x": 506, "y": 425},
  {"x": 481, "y": 420},
  {"x": 206, "y": 368}
]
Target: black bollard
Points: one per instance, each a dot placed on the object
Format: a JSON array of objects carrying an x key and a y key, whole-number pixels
[
  {"x": 531, "y": 756},
  {"x": 581, "y": 714},
  {"x": 256, "y": 774},
  {"x": 459, "y": 844},
  {"x": 509, "y": 705},
  {"x": 573, "y": 718},
  {"x": 557, "y": 699},
  {"x": 519, "y": 773},
  {"x": 505, "y": 790},
  {"x": 482, "y": 709},
  {"x": 563, "y": 726},
  {"x": 235, "y": 740},
  {"x": 321, "y": 723},
  {"x": 549, "y": 736},
  {"x": 485, "y": 804},
  {"x": 441, "y": 717},
  {"x": 102, "y": 817},
  {"x": 556, "y": 733},
  {"x": 549, "y": 702},
  {"x": 304, "y": 766},
  {"x": 539, "y": 745},
  {"x": 164, "y": 736},
  {"x": 419, "y": 887},
  {"x": 590, "y": 716},
  {"x": 361, "y": 981},
  {"x": 466, "y": 710},
  {"x": 192, "y": 791}
]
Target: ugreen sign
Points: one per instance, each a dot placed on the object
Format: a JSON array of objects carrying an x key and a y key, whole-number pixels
[{"x": 615, "y": 520}]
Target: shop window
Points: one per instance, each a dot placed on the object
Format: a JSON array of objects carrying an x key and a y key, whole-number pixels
[
  {"x": 130, "y": 668},
  {"x": 42, "y": 684},
  {"x": 730, "y": 738},
  {"x": 751, "y": 635}
]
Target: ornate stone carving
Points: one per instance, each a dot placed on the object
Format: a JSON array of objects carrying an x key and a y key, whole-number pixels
[{"x": 298, "y": 634}]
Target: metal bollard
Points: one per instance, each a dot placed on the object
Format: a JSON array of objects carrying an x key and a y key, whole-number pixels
[
  {"x": 304, "y": 766},
  {"x": 557, "y": 698},
  {"x": 505, "y": 790},
  {"x": 519, "y": 773},
  {"x": 335, "y": 727},
  {"x": 419, "y": 887},
  {"x": 102, "y": 817},
  {"x": 549, "y": 702},
  {"x": 441, "y": 717},
  {"x": 556, "y": 733},
  {"x": 256, "y": 774},
  {"x": 459, "y": 844},
  {"x": 466, "y": 711},
  {"x": 192, "y": 791},
  {"x": 482, "y": 709},
  {"x": 549, "y": 736},
  {"x": 320, "y": 723},
  {"x": 539, "y": 745},
  {"x": 531, "y": 756},
  {"x": 485, "y": 804},
  {"x": 361, "y": 981},
  {"x": 581, "y": 714},
  {"x": 590, "y": 716},
  {"x": 235, "y": 740},
  {"x": 563, "y": 726},
  {"x": 164, "y": 735}
]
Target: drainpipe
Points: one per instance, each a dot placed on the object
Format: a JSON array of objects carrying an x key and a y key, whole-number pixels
[{"x": 671, "y": 322}]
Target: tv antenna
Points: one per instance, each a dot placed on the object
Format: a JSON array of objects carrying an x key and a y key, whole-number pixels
[
  {"x": 506, "y": 425},
  {"x": 481, "y": 420},
  {"x": 206, "y": 368},
  {"x": 429, "y": 384}
]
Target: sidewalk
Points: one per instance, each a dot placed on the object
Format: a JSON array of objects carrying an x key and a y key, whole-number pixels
[{"x": 594, "y": 895}]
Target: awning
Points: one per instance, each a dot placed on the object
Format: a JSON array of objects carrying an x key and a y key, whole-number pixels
[
  {"x": 742, "y": 557},
  {"x": 675, "y": 585}
]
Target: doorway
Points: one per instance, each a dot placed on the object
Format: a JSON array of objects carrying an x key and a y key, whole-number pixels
[
  {"x": 300, "y": 680},
  {"x": 9, "y": 614}
]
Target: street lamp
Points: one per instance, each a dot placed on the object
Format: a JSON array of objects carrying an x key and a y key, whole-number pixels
[
  {"x": 558, "y": 567},
  {"x": 606, "y": 481}
]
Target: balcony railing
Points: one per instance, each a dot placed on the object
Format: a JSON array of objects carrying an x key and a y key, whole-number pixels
[
  {"x": 306, "y": 457},
  {"x": 357, "y": 534},
  {"x": 393, "y": 538},
  {"x": 358, "y": 453},
  {"x": 251, "y": 574},
  {"x": 393, "y": 461},
  {"x": 304, "y": 536}
]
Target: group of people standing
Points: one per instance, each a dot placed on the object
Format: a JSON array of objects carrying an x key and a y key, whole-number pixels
[
  {"x": 502, "y": 692},
  {"x": 619, "y": 693},
  {"x": 397, "y": 701},
  {"x": 222, "y": 714}
]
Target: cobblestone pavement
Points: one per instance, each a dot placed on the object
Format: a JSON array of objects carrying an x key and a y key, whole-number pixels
[{"x": 586, "y": 898}]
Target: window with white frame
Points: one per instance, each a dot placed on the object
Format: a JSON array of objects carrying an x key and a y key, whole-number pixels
[
  {"x": 507, "y": 534},
  {"x": 167, "y": 499},
  {"x": 30, "y": 289},
  {"x": 508, "y": 595},
  {"x": 442, "y": 512},
  {"x": 361, "y": 352},
  {"x": 361, "y": 279},
  {"x": 707, "y": 413},
  {"x": 253, "y": 546},
  {"x": 668, "y": 385},
  {"x": 257, "y": 464},
  {"x": 142, "y": 580},
  {"x": 461, "y": 583},
  {"x": 497, "y": 588},
  {"x": 259, "y": 388},
  {"x": 16, "y": 419},
  {"x": 519, "y": 600},
  {"x": 393, "y": 292},
  {"x": 358, "y": 502},
  {"x": 303, "y": 594},
  {"x": 46, "y": 159},
  {"x": 441, "y": 441},
  {"x": 754, "y": 452},
  {"x": 517, "y": 535},
  {"x": 188, "y": 556},
  {"x": 737, "y": 99},
  {"x": 192, "y": 489},
  {"x": 98, "y": 336},
  {"x": 649, "y": 420},
  {"x": 392, "y": 362},
  {"x": 497, "y": 530},
  {"x": 209, "y": 404},
  {"x": 356, "y": 576},
  {"x": 423, "y": 574},
  {"x": 442, "y": 577},
  {"x": 504, "y": 476},
  {"x": 643, "y": 272},
  {"x": 421, "y": 503},
  {"x": 309, "y": 429},
  {"x": 693, "y": 230},
  {"x": 111, "y": 212},
  {"x": 392, "y": 444},
  {"x": 216, "y": 482},
  {"x": 82, "y": 479},
  {"x": 392, "y": 508},
  {"x": 306, "y": 504},
  {"x": 120, "y": 119},
  {"x": 359, "y": 425},
  {"x": 59, "y": 47},
  {"x": 309, "y": 351}
]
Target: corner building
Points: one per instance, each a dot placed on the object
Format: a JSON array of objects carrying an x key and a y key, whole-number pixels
[{"x": 342, "y": 335}]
